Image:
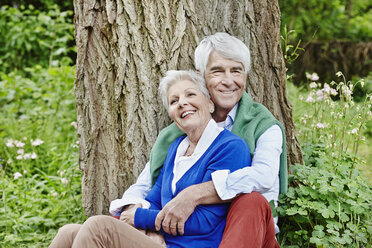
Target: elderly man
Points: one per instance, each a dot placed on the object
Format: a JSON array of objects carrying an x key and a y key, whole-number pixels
[{"x": 224, "y": 62}]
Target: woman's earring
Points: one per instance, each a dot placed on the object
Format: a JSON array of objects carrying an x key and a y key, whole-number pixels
[{"x": 211, "y": 110}]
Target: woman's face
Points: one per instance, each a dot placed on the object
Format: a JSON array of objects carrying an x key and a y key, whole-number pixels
[{"x": 188, "y": 107}]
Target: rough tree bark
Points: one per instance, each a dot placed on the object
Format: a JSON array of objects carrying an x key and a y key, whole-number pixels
[{"x": 125, "y": 46}]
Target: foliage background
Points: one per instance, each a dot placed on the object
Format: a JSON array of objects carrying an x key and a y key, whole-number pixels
[{"x": 40, "y": 182}]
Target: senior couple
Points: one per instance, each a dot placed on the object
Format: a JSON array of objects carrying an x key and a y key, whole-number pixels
[{"x": 211, "y": 173}]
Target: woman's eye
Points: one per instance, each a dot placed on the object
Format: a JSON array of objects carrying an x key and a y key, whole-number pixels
[{"x": 172, "y": 102}]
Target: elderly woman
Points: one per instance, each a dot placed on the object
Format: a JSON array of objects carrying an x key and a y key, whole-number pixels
[{"x": 190, "y": 160}]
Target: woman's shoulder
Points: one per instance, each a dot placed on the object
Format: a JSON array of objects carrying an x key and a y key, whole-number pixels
[{"x": 228, "y": 138}]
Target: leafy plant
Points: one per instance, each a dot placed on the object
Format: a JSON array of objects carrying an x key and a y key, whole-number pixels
[
  {"x": 330, "y": 203},
  {"x": 31, "y": 37}
]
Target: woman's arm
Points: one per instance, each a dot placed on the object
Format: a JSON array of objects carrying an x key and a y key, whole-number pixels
[{"x": 233, "y": 156}]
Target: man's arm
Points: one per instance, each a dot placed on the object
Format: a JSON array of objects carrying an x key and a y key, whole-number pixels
[
  {"x": 259, "y": 177},
  {"x": 135, "y": 194}
]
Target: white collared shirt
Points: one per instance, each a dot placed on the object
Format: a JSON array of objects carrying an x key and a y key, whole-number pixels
[
  {"x": 183, "y": 163},
  {"x": 262, "y": 176}
]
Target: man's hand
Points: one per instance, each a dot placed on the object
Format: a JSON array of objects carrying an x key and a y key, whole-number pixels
[
  {"x": 128, "y": 214},
  {"x": 176, "y": 212}
]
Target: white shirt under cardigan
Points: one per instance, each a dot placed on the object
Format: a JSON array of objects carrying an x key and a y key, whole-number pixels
[{"x": 262, "y": 176}]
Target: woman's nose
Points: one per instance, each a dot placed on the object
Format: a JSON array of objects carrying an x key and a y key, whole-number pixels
[{"x": 182, "y": 101}]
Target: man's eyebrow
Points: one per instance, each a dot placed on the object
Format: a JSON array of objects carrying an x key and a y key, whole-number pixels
[
  {"x": 216, "y": 67},
  {"x": 237, "y": 68}
]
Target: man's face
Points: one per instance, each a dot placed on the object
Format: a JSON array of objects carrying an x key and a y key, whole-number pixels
[{"x": 225, "y": 81}]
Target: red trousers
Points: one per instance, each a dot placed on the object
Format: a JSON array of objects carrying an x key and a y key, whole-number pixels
[{"x": 249, "y": 223}]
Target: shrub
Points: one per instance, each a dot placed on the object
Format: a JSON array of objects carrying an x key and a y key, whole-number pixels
[
  {"x": 330, "y": 202},
  {"x": 30, "y": 37}
]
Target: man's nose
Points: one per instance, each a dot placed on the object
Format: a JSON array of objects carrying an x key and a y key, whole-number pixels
[{"x": 227, "y": 79}]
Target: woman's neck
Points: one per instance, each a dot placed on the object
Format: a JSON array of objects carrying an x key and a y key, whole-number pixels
[{"x": 194, "y": 135}]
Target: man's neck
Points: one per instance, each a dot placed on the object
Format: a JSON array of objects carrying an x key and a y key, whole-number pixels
[{"x": 220, "y": 114}]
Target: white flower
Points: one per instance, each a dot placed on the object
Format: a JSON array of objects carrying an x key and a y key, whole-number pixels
[
  {"x": 333, "y": 92},
  {"x": 10, "y": 143},
  {"x": 64, "y": 180},
  {"x": 314, "y": 77},
  {"x": 53, "y": 193},
  {"x": 33, "y": 155},
  {"x": 354, "y": 131},
  {"x": 36, "y": 142},
  {"x": 19, "y": 157},
  {"x": 74, "y": 124},
  {"x": 9, "y": 161},
  {"x": 17, "y": 175},
  {"x": 301, "y": 98},
  {"x": 320, "y": 125},
  {"x": 27, "y": 156},
  {"x": 62, "y": 173},
  {"x": 320, "y": 95},
  {"x": 24, "y": 171},
  {"x": 19, "y": 143},
  {"x": 24, "y": 138},
  {"x": 21, "y": 151},
  {"x": 313, "y": 85},
  {"x": 310, "y": 98}
]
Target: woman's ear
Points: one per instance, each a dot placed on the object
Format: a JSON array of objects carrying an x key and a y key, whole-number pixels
[{"x": 211, "y": 106}]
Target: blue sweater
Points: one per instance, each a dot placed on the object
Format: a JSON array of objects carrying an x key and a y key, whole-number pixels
[{"x": 204, "y": 227}]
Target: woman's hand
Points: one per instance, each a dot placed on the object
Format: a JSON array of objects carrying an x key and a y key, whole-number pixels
[{"x": 128, "y": 214}]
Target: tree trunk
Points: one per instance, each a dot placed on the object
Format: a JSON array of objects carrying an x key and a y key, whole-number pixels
[{"x": 124, "y": 47}]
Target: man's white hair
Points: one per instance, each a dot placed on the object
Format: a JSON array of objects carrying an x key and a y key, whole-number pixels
[
  {"x": 173, "y": 77},
  {"x": 226, "y": 45}
]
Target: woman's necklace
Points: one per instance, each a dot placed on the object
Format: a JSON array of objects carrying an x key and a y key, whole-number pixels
[{"x": 189, "y": 152}]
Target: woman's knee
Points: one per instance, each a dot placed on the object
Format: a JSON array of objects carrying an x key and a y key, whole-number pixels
[{"x": 69, "y": 230}]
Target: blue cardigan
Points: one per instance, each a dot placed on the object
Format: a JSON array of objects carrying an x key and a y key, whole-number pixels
[{"x": 204, "y": 227}]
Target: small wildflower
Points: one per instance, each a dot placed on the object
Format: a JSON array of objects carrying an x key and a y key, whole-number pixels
[
  {"x": 354, "y": 131},
  {"x": 36, "y": 142},
  {"x": 9, "y": 161},
  {"x": 21, "y": 151},
  {"x": 310, "y": 98},
  {"x": 74, "y": 124},
  {"x": 314, "y": 77},
  {"x": 313, "y": 187},
  {"x": 301, "y": 98},
  {"x": 338, "y": 74},
  {"x": 24, "y": 138},
  {"x": 63, "y": 193},
  {"x": 320, "y": 125},
  {"x": 33, "y": 155},
  {"x": 19, "y": 157},
  {"x": 27, "y": 156},
  {"x": 313, "y": 85},
  {"x": 17, "y": 175},
  {"x": 333, "y": 92},
  {"x": 62, "y": 173},
  {"x": 53, "y": 193},
  {"x": 19, "y": 143},
  {"x": 64, "y": 180},
  {"x": 320, "y": 95},
  {"x": 10, "y": 143},
  {"x": 346, "y": 105}
]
